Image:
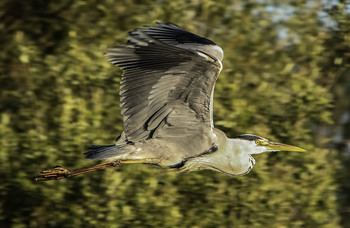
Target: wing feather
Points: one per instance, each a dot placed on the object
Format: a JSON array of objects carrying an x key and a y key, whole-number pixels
[{"x": 165, "y": 89}]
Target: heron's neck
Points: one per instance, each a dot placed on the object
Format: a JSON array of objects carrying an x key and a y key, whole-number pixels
[
  {"x": 231, "y": 157},
  {"x": 238, "y": 154}
]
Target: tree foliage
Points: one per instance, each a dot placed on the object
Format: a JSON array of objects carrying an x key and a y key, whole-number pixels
[{"x": 59, "y": 95}]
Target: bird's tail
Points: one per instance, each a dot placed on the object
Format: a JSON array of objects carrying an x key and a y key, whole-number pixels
[{"x": 97, "y": 152}]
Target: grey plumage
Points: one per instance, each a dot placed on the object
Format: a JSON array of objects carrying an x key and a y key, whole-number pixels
[
  {"x": 173, "y": 35},
  {"x": 166, "y": 89},
  {"x": 98, "y": 152}
]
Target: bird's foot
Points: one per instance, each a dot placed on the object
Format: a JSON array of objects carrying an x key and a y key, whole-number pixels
[
  {"x": 116, "y": 163},
  {"x": 56, "y": 173}
]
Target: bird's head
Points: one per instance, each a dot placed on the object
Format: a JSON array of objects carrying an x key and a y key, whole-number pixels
[{"x": 258, "y": 145}]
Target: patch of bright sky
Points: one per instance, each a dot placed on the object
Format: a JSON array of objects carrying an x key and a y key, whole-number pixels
[
  {"x": 283, "y": 12},
  {"x": 280, "y": 12}
]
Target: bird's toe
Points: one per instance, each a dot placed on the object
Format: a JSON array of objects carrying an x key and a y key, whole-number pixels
[{"x": 56, "y": 173}]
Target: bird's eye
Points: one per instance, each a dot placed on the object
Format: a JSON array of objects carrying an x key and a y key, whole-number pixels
[{"x": 262, "y": 142}]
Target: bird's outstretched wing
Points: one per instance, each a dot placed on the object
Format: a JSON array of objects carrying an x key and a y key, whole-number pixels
[{"x": 168, "y": 81}]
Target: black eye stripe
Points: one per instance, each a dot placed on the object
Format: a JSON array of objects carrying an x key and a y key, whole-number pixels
[{"x": 249, "y": 137}]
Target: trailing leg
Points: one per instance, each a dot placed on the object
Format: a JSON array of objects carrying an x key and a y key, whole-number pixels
[{"x": 59, "y": 172}]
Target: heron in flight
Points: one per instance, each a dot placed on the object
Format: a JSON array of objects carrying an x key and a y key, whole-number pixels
[{"x": 166, "y": 99}]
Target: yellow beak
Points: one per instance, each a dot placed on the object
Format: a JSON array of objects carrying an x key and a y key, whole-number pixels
[{"x": 283, "y": 147}]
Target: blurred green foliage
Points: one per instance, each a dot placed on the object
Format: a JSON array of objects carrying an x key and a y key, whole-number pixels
[{"x": 58, "y": 95}]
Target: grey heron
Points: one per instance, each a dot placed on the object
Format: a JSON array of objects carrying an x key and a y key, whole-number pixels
[{"x": 166, "y": 98}]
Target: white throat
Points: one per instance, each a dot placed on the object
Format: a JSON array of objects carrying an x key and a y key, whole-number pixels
[{"x": 232, "y": 157}]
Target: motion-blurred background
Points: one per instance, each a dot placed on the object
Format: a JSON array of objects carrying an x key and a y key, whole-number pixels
[{"x": 286, "y": 77}]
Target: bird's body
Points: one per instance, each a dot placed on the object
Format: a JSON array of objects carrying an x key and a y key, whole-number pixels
[
  {"x": 166, "y": 95},
  {"x": 196, "y": 154}
]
